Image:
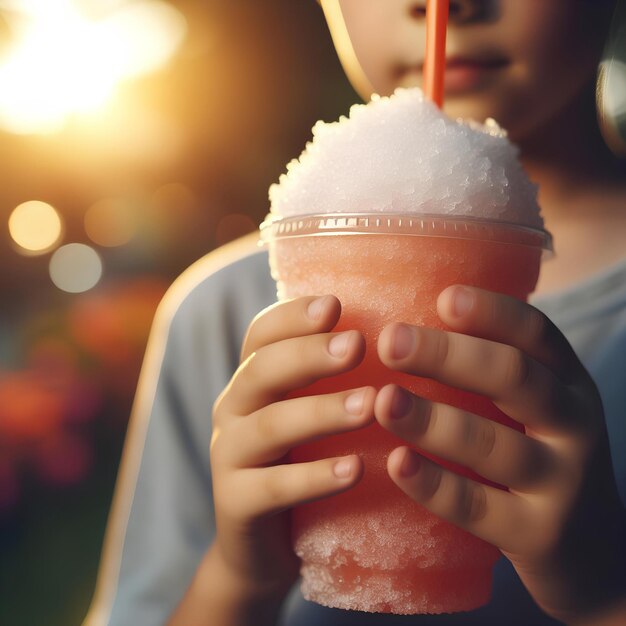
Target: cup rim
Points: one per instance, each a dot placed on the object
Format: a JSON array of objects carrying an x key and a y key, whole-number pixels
[{"x": 276, "y": 228}]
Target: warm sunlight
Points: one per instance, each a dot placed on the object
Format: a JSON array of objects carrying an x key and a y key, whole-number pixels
[{"x": 67, "y": 58}]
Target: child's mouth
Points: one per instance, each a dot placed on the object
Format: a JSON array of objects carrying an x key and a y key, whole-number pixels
[{"x": 462, "y": 73}]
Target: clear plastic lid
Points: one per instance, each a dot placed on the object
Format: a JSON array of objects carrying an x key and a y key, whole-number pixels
[{"x": 415, "y": 225}]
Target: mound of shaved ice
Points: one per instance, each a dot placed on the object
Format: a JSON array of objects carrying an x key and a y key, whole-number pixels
[{"x": 401, "y": 154}]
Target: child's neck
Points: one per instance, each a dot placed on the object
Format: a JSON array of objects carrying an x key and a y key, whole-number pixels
[{"x": 582, "y": 194}]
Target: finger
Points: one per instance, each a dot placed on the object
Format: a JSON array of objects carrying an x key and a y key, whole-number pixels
[
  {"x": 507, "y": 320},
  {"x": 273, "y": 489},
  {"x": 302, "y": 316},
  {"x": 278, "y": 368},
  {"x": 496, "y": 452},
  {"x": 521, "y": 387},
  {"x": 497, "y": 516},
  {"x": 269, "y": 433}
]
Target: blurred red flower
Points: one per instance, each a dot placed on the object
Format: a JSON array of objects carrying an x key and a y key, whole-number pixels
[
  {"x": 113, "y": 324},
  {"x": 74, "y": 367}
]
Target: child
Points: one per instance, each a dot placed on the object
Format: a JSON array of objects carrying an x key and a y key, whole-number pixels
[{"x": 199, "y": 529}]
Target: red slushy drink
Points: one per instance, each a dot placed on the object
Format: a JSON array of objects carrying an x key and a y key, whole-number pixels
[{"x": 372, "y": 548}]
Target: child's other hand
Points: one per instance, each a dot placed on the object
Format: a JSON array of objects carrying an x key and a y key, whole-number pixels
[
  {"x": 287, "y": 347},
  {"x": 560, "y": 523}
]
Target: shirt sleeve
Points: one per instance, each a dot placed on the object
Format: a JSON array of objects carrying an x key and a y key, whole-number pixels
[{"x": 162, "y": 519}]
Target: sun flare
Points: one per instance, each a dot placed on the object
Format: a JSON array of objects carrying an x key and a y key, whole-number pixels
[{"x": 65, "y": 58}]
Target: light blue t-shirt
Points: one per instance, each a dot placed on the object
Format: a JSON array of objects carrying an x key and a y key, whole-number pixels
[{"x": 162, "y": 518}]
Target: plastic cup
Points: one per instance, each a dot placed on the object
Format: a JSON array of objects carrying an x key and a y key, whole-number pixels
[{"x": 372, "y": 548}]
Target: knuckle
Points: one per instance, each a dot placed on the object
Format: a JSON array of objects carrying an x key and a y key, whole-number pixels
[
  {"x": 442, "y": 348},
  {"x": 274, "y": 487},
  {"x": 471, "y": 433},
  {"x": 427, "y": 416},
  {"x": 431, "y": 482},
  {"x": 226, "y": 507},
  {"x": 459, "y": 500},
  {"x": 319, "y": 410},
  {"x": 315, "y": 416},
  {"x": 480, "y": 436},
  {"x": 331, "y": 411},
  {"x": 317, "y": 477},
  {"x": 454, "y": 426},
  {"x": 221, "y": 449},
  {"x": 250, "y": 367},
  {"x": 266, "y": 427},
  {"x": 310, "y": 482},
  {"x": 470, "y": 503},
  {"x": 516, "y": 370},
  {"x": 476, "y": 502},
  {"x": 305, "y": 350},
  {"x": 228, "y": 402}
]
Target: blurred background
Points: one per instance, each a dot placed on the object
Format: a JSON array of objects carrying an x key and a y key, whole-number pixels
[{"x": 135, "y": 137}]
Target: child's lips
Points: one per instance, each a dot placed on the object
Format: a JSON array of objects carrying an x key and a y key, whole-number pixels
[
  {"x": 466, "y": 74},
  {"x": 463, "y": 74}
]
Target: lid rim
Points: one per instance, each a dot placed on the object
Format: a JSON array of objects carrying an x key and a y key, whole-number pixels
[{"x": 406, "y": 224}]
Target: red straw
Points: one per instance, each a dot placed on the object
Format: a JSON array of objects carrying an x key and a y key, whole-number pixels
[{"x": 437, "y": 12}]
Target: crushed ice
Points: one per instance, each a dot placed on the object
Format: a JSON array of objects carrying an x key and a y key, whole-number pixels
[{"x": 402, "y": 154}]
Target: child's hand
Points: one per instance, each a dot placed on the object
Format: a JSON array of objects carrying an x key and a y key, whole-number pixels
[
  {"x": 560, "y": 522},
  {"x": 287, "y": 347}
]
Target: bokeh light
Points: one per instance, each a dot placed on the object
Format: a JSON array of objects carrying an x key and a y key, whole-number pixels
[
  {"x": 35, "y": 226},
  {"x": 64, "y": 60},
  {"x": 75, "y": 268},
  {"x": 111, "y": 222}
]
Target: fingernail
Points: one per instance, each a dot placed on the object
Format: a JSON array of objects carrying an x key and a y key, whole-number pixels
[
  {"x": 338, "y": 345},
  {"x": 400, "y": 403},
  {"x": 354, "y": 402},
  {"x": 343, "y": 468},
  {"x": 410, "y": 464},
  {"x": 463, "y": 301},
  {"x": 403, "y": 341},
  {"x": 315, "y": 308}
]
